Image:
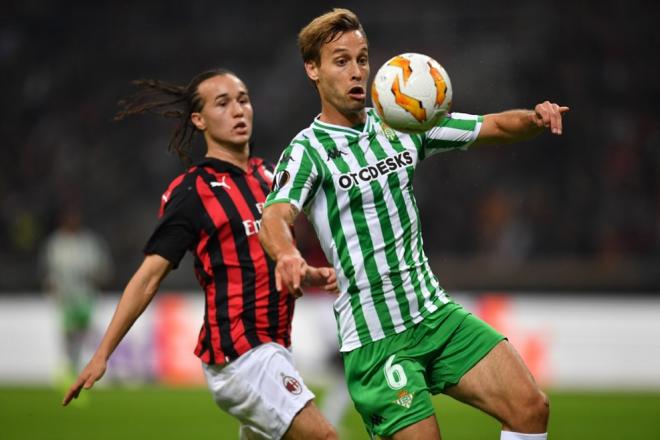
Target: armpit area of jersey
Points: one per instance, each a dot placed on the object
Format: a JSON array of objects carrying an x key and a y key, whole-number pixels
[{"x": 170, "y": 242}]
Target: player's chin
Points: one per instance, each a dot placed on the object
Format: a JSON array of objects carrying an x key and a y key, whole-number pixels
[
  {"x": 240, "y": 138},
  {"x": 355, "y": 104}
]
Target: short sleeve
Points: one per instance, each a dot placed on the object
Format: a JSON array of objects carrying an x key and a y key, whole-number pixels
[
  {"x": 177, "y": 229},
  {"x": 455, "y": 131},
  {"x": 295, "y": 178}
]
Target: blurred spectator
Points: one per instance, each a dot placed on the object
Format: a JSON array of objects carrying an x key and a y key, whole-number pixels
[{"x": 76, "y": 262}]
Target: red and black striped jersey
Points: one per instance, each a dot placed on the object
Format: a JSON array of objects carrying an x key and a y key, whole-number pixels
[{"x": 214, "y": 211}]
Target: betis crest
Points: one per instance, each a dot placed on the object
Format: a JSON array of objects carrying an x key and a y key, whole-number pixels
[{"x": 405, "y": 399}]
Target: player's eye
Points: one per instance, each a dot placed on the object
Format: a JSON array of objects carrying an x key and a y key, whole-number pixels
[{"x": 340, "y": 62}]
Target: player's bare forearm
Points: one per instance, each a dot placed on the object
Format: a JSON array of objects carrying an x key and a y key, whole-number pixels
[
  {"x": 518, "y": 125},
  {"x": 275, "y": 232},
  {"x": 137, "y": 295},
  {"x": 275, "y": 236}
]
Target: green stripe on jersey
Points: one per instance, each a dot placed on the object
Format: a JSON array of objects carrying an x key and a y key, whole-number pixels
[{"x": 356, "y": 187}]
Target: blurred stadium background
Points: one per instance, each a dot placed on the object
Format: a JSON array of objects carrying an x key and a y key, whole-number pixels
[{"x": 556, "y": 241}]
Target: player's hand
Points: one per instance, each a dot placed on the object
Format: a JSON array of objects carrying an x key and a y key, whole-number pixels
[
  {"x": 94, "y": 370},
  {"x": 290, "y": 271},
  {"x": 323, "y": 277},
  {"x": 548, "y": 115}
]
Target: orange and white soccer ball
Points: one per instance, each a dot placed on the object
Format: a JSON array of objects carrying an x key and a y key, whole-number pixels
[{"x": 411, "y": 92}]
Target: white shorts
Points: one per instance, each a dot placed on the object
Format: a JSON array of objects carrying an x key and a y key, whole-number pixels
[{"x": 261, "y": 388}]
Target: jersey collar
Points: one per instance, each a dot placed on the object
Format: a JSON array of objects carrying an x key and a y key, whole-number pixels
[
  {"x": 222, "y": 166},
  {"x": 368, "y": 123}
]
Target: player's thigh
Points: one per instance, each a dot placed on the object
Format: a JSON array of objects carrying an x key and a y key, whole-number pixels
[
  {"x": 309, "y": 423},
  {"x": 498, "y": 384},
  {"x": 261, "y": 388},
  {"x": 388, "y": 385}
]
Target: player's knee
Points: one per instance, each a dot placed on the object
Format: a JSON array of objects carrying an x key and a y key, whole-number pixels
[{"x": 532, "y": 413}]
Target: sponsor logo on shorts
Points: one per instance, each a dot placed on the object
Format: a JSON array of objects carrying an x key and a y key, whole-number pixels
[
  {"x": 291, "y": 384},
  {"x": 405, "y": 399}
]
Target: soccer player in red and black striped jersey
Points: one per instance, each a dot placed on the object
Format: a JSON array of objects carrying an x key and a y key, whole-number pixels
[{"x": 214, "y": 210}]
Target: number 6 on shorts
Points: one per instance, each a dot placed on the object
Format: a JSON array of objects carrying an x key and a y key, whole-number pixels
[{"x": 394, "y": 374}]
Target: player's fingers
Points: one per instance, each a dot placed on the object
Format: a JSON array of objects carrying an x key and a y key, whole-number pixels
[
  {"x": 89, "y": 383},
  {"x": 331, "y": 277},
  {"x": 298, "y": 275},
  {"x": 278, "y": 280},
  {"x": 67, "y": 398},
  {"x": 71, "y": 394},
  {"x": 555, "y": 119},
  {"x": 564, "y": 109},
  {"x": 541, "y": 115}
]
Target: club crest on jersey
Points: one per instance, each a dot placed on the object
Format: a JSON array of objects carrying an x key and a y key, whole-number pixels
[
  {"x": 381, "y": 168},
  {"x": 405, "y": 399},
  {"x": 291, "y": 384},
  {"x": 281, "y": 179},
  {"x": 387, "y": 131}
]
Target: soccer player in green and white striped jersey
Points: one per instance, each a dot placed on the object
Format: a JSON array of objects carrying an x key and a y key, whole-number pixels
[{"x": 401, "y": 336}]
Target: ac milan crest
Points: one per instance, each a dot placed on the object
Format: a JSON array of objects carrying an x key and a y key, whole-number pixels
[{"x": 291, "y": 384}]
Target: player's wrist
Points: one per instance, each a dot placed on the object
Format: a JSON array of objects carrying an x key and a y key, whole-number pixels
[{"x": 288, "y": 253}]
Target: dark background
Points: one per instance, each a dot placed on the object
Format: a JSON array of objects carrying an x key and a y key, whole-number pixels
[{"x": 576, "y": 212}]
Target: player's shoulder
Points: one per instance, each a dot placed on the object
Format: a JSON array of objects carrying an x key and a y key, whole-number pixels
[
  {"x": 179, "y": 180},
  {"x": 301, "y": 141},
  {"x": 181, "y": 187}
]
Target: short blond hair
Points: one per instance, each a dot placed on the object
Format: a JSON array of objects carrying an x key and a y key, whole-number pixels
[{"x": 324, "y": 29}]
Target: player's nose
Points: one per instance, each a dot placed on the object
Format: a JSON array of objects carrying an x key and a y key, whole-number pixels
[{"x": 356, "y": 72}]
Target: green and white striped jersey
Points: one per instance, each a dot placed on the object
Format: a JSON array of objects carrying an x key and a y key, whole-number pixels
[{"x": 356, "y": 188}]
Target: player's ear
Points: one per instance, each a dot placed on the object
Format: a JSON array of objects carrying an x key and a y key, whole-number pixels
[
  {"x": 198, "y": 120},
  {"x": 312, "y": 70}
]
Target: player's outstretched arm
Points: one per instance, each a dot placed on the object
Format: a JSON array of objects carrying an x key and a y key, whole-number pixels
[
  {"x": 518, "y": 125},
  {"x": 275, "y": 236},
  {"x": 137, "y": 295}
]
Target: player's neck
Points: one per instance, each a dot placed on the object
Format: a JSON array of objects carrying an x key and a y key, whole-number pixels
[
  {"x": 332, "y": 115},
  {"x": 235, "y": 155}
]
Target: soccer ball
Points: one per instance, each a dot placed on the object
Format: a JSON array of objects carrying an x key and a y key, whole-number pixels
[{"x": 411, "y": 92}]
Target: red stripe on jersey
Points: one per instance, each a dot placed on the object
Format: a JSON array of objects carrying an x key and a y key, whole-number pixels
[
  {"x": 211, "y": 312},
  {"x": 268, "y": 177},
  {"x": 257, "y": 255},
  {"x": 234, "y": 271},
  {"x": 285, "y": 302},
  {"x": 264, "y": 286},
  {"x": 201, "y": 351}
]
